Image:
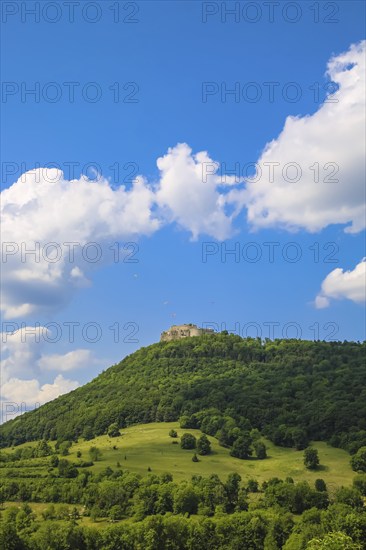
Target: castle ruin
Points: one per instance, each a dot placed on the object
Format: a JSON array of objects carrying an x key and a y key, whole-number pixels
[{"x": 176, "y": 332}]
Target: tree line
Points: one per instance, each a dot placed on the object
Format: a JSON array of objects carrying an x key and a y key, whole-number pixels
[{"x": 204, "y": 512}]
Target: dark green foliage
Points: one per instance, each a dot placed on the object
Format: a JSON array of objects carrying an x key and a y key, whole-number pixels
[
  {"x": 320, "y": 485},
  {"x": 203, "y": 445},
  {"x": 295, "y": 498},
  {"x": 54, "y": 461},
  {"x": 188, "y": 421},
  {"x": 63, "y": 447},
  {"x": 292, "y": 391},
  {"x": 186, "y": 500},
  {"x": 166, "y": 478},
  {"x": 113, "y": 430},
  {"x": 116, "y": 512},
  {"x": 160, "y": 511},
  {"x": 254, "y": 530},
  {"x": 358, "y": 461},
  {"x": 173, "y": 433},
  {"x": 188, "y": 441},
  {"x": 87, "y": 433},
  {"x": 232, "y": 487},
  {"x": 242, "y": 446},
  {"x": 242, "y": 503},
  {"x": 311, "y": 458},
  {"x": 42, "y": 449},
  {"x": 290, "y": 437},
  {"x": 350, "y": 496},
  {"x": 66, "y": 469},
  {"x": 195, "y": 458},
  {"x": 260, "y": 450},
  {"x": 252, "y": 486},
  {"x": 359, "y": 483}
]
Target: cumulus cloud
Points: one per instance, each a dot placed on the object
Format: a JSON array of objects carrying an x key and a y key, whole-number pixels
[
  {"x": 327, "y": 183},
  {"x": 76, "y": 359},
  {"x": 17, "y": 391},
  {"x": 49, "y": 227},
  {"x": 340, "y": 284},
  {"x": 25, "y": 350},
  {"x": 56, "y": 232},
  {"x": 310, "y": 177},
  {"x": 26, "y": 364},
  {"x": 188, "y": 193}
]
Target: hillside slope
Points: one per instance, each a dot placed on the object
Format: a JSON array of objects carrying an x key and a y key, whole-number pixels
[
  {"x": 316, "y": 387},
  {"x": 144, "y": 446}
]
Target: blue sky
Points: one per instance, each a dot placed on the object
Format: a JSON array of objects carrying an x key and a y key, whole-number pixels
[{"x": 152, "y": 78}]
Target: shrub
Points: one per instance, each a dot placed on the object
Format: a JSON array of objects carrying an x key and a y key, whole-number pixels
[
  {"x": 311, "y": 459},
  {"x": 113, "y": 430},
  {"x": 203, "y": 445},
  {"x": 320, "y": 485},
  {"x": 252, "y": 486},
  {"x": 358, "y": 461},
  {"x": 260, "y": 450},
  {"x": 188, "y": 441}
]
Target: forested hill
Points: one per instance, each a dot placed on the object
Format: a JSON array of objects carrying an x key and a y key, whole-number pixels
[{"x": 291, "y": 390}]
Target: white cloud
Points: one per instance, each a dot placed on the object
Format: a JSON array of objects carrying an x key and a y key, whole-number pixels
[
  {"x": 335, "y": 133},
  {"x": 340, "y": 284},
  {"x": 25, "y": 367},
  {"x": 44, "y": 214},
  {"x": 25, "y": 350},
  {"x": 188, "y": 193},
  {"x": 42, "y": 208},
  {"x": 321, "y": 302},
  {"x": 32, "y": 393},
  {"x": 76, "y": 359}
]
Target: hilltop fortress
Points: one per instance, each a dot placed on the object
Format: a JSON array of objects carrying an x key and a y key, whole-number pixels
[{"x": 183, "y": 331}]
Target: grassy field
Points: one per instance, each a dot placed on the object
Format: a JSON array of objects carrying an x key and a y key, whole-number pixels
[
  {"x": 149, "y": 446},
  {"x": 39, "y": 507}
]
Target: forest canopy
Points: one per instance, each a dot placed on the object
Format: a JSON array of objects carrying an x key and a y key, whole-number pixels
[{"x": 292, "y": 391}]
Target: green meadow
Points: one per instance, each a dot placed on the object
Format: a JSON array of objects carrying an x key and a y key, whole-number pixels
[{"x": 149, "y": 446}]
